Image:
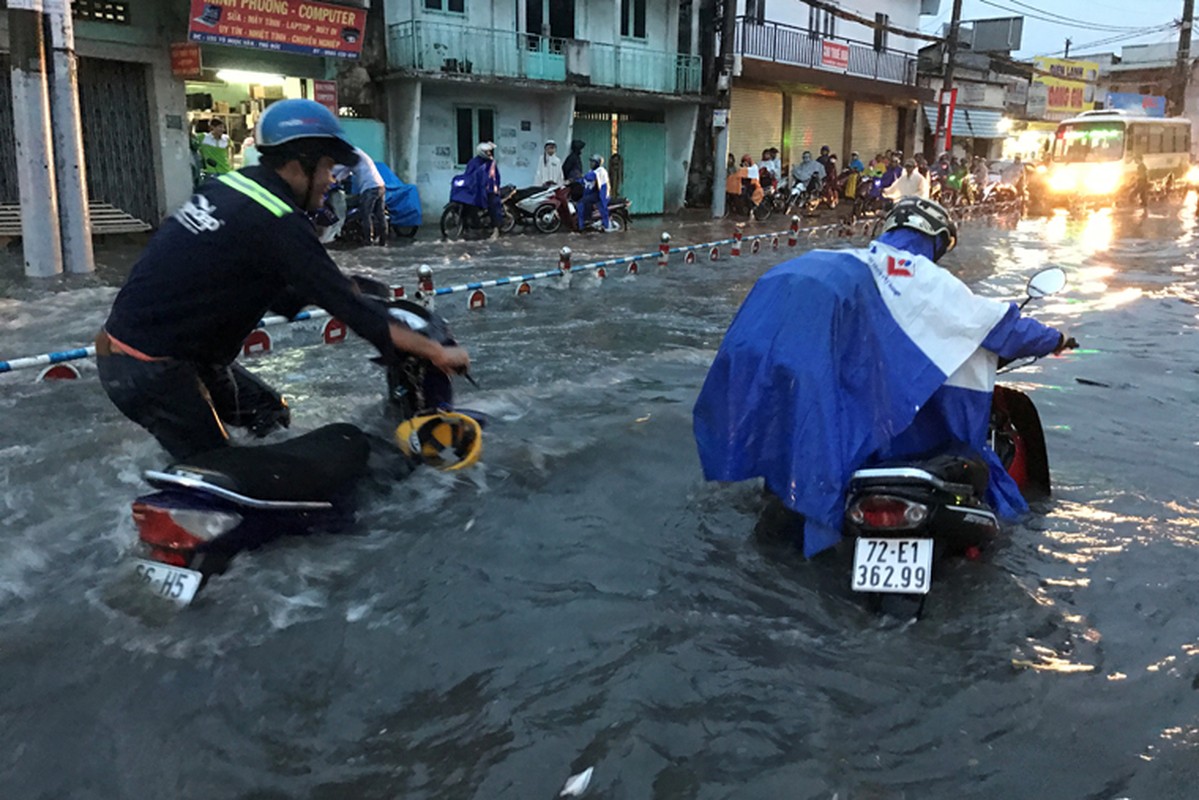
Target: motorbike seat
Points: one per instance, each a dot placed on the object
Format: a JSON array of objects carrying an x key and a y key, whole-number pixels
[
  {"x": 528, "y": 191},
  {"x": 313, "y": 467},
  {"x": 962, "y": 467}
]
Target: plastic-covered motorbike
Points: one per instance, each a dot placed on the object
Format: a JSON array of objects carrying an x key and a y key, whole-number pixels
[
  {"x": 906, "y": 517},
  {"x": 211, "y": 506}
]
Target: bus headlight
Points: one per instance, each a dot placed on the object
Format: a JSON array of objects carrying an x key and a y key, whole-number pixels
[
  {"x": 1193, "y": 175},
  {"x": 1062, "y": 180},
  {"x": 1103, "y": 179}
]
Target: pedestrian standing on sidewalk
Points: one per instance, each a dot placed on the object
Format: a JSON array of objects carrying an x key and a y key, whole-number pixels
[{"x": 549, "y": 168}]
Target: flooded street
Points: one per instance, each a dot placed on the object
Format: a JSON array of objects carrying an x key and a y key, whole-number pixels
[{"x": 584, "y": 599}]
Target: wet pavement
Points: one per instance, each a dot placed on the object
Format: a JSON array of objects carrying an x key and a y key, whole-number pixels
[{"x": 584, "y": 599}]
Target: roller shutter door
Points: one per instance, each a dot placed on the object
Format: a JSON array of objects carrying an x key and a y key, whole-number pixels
[
  {"x": 755, "y": 122},
  {"x": 816, "y": 121},
  {"x": 869, "y": 135}
]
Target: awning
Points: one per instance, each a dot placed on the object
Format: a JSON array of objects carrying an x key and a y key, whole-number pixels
[{"x": 974, "y": 122}]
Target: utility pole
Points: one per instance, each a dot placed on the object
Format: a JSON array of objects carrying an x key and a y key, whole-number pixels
[
  {"x": 40, "y": 242},
  {"x": 1182, "y": 70},
  {"x": 74, "y": 214},
  {"x": 951, "y": 47},
  {"x": 1069, "y": 42},
  {"x": 724, "y": 98}
]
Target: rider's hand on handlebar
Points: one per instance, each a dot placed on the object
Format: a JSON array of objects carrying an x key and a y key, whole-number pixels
[
  {"x": 1066, "y": 343},
  {"x": 451, "y": 360}
]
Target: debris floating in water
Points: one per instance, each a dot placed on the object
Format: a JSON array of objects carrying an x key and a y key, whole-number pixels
[
  {"x": 470, "y": 523},
  {"x": 577, "y": 784},
  {"x": 643, "y": 419}
]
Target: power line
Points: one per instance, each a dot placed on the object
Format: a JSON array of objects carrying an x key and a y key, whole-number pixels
[
  {"x": 1112, "y": 39},
  {"x": 1064, "y": 22},
  {"x": 1073, "y": 22}
]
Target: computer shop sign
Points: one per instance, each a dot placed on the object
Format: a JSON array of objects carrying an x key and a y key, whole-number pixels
[{"x": 288, "y": 26}]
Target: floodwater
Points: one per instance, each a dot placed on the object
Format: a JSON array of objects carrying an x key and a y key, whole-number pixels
[{"x": 585, "y": 599}]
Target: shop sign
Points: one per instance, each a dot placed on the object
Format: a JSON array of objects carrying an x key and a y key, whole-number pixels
[
  {"x": 325, "y": 93},
  {"x": 185, "y": 60},
  {"x": 834, "y": 55},
  {"x": 287, "y": 26},
  {"x": 1150, "y": 105},
  {"x": 1069, "y": 85}
]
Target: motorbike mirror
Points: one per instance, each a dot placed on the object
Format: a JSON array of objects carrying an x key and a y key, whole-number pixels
[{"x": 1046, "y": 282}]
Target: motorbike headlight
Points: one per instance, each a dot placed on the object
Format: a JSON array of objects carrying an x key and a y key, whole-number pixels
[{"x": 1193, "y": 174}]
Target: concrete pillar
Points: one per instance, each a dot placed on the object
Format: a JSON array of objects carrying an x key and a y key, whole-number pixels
[
  {"x": 71, "y": 180},
  {"x": 719, "y": 171},
  {"x": 694, "y": 27},
  {"x": 34, "y": 142}
]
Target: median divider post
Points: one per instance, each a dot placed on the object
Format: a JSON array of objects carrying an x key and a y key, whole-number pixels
[{"x": 664, "y": 250}]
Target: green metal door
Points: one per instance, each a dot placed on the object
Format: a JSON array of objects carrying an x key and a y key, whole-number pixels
[
  {"x": 597, "y": 133},
  {"x": 642, "y": 169}
]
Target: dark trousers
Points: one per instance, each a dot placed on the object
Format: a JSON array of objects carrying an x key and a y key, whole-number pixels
[
  {"x": 373, "y": 206},
  {"x": 186, "y": 406}
]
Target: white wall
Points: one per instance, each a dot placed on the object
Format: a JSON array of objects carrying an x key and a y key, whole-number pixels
[
  {"x": 548, "y": 116},
  {"x": 904, "y": 14}
]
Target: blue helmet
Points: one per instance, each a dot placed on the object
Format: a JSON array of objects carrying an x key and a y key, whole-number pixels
[{"x": 306, "y": 128}]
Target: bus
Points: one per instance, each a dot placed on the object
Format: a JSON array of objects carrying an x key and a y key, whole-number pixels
[{"x": 1093, "y": 155}]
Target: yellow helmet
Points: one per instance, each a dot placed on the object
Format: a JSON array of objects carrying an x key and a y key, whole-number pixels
[{"x": 446, "y": 440}]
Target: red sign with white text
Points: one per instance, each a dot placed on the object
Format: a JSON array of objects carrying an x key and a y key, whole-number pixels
[
  {"x": 325, "y": 93},
  {"x": 185, "y": 60},
  {"x": 834, "y": 55},
  {"x": 288, "y": 26}
]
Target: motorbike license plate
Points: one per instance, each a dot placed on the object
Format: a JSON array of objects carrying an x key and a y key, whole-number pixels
[
  {"x": 172, "y": 583},
  {"x": 903, "y": 566}
]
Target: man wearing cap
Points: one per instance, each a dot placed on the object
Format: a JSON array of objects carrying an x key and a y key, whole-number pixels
[{"x": 243, "y": 245}]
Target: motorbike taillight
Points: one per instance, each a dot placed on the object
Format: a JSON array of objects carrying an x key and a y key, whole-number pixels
[
  {"x": 180, "y": 528},
  {"x": 887, "y": 512}
]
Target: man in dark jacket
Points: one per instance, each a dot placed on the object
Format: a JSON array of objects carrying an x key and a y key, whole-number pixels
[
  {"x": 572, "y": 168},
  {"x": 241, "y": 246}
]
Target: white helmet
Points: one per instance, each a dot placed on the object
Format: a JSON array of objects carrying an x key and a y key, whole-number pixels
[
  {"x": 927, "y": 217},
  {"x": 485, "y": 149}
]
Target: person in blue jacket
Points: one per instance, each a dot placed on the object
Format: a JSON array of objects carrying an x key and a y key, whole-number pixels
[
  {"x": 837, "y": 359},
  {"x": 241, "y": 246},
  {"x": 479, "y": 186},
  {"x": 595, "y": 193}
]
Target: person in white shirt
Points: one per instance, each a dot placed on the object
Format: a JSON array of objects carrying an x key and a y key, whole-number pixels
[
  {"x": 909, "y": 184},
  {"x": 549, "y": 168},
  {"x": 369, "y": 185}
]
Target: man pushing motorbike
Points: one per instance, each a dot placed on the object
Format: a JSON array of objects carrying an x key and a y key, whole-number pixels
[
  {"x": 838, "y": 359},
  {"x": 241, "y": 246}
]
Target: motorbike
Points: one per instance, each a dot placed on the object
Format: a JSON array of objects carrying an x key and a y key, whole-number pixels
[
  {"x": 869, "y": 198},
  {"x": 458, "y": 218},
  {"x": 209, "y": 507},
  {"x": 907, "y": 517},
  {"x": 618, "y": 215},
  {"x": 804, "y": 198},
  {"x": 543, "y": 206}
]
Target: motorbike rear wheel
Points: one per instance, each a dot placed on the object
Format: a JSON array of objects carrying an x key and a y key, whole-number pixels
[
  {"x": 405, "y": 231},
  {"x": 763, "y": 210},
  {"x": 546, "y": 218},
  {"x": 452, "y": 223}
]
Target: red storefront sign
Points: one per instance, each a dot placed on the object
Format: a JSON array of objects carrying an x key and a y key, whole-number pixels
[
  {"x": 834, "y": 55},
  {"x": 289, "y": 26},
  {"x": 185, "y": 60},
  {"x": 325, "y": 93}
]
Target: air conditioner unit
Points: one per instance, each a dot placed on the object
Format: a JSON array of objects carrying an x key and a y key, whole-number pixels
[{"x": 578, "y": 60}]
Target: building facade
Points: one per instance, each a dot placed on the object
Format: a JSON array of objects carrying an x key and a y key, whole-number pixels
[
  {"x": 805, "y": 76},
  {"x": 624, "y": 76}
]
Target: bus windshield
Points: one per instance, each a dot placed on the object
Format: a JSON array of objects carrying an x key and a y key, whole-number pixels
[{"x": 1089, "y": 142}]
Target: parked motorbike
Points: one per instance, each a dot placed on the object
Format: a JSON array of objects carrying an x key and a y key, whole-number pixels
[
  {"x": 543, "y": 206},
  {"x": 353, "y": 228},
  {"x": 908, "y": 516},
  {"x": 458, "y": 218},
  {"x": 211, "y": 506}
]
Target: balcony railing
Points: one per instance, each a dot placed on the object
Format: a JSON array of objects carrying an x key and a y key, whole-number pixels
[
  {"x": 445, "y": 47},
  {"x": 785, "y": 44}
]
